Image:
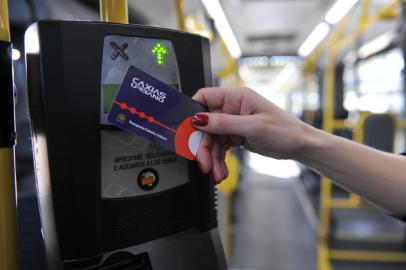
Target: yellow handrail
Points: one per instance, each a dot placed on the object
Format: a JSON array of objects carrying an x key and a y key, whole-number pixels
[
  {"x": 228, "y": 187},
  {"x": 114, "y": 11},
  {"x": 365, "y": 22},
  {"x": 181, "y": 15},
  {"x": 4, "y": 21},
  {"x": 334, "y": 44},
  {"x": 8, "y": 220}
]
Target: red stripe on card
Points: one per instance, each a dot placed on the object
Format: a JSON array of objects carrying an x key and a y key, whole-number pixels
[{"x": 142, "y": 115}]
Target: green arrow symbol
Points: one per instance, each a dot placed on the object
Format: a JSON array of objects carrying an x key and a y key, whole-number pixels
[{"x": 160, "y": 51}]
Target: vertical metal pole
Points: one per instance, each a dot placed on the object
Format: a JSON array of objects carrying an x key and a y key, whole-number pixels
[
  {"x": 8, "y": 202},
  {"x": 326, "y": 186},
  {"x": 114, "y": 11},
  {"x": 4, "y": 22},
  {"x": 180, "y": 12}
]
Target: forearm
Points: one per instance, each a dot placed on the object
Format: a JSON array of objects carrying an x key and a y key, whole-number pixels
[
  {"x": 375, "y": 175},
  {"x": 243, "y": 117}
]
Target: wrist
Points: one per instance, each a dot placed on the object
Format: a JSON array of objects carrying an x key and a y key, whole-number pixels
[{"x": 313, "y": 143}]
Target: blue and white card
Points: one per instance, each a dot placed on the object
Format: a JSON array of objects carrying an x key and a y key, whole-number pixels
[{"x": 149, "y": 108}]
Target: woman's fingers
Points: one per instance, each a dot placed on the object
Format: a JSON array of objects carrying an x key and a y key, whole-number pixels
[
  {"x": 225, "y": 148},
  {"x": 238, "y": 101},
  {"x": 225, "y": 170},
  {"x": 211, "y": 97},
  {"x": 236, "y": 141},
  {"x": 211, "y": 156},
  {"x": 224, "y": 124},
  {"x": 217, "y": 173},
  {"x": 204, "y": 157},
  {"x": 219, "y": 148}
]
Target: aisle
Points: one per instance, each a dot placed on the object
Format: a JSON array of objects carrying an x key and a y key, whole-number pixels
[{"x": 271, "y": 230}]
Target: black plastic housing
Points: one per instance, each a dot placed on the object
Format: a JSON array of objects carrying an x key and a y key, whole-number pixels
[
  {"x": 64, "y": 80},
  {"x": 7, "y": 128}
]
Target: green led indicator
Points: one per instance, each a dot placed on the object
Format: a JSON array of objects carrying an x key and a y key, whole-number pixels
[{"x": 160, "y": 51}]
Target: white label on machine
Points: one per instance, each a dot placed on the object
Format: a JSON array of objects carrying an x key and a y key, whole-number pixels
[{"x": 131, "y": 166}]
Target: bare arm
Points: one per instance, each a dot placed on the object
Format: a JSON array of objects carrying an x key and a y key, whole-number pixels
[
  {"x": 241, "y": 117},
  {"x": 375, "y": 175}
]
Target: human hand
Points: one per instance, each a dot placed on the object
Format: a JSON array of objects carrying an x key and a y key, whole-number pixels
[{"x": 241, "y": 117}]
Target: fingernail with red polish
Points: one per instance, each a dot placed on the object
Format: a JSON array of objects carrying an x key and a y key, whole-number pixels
[{"x": 200, "y": 120}]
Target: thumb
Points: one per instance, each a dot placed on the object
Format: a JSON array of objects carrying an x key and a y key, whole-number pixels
[{"x": 222, "y": 124}]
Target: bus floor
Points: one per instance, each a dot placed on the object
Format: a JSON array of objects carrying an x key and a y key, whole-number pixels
[
  {"x": 271, "y": 231},
  {"x": 275, "y": 227}
]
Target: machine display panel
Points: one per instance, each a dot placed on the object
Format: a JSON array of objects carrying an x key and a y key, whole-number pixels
[
  {"x": 153, "y": 56},
  {"x": 130, "y": 165}
]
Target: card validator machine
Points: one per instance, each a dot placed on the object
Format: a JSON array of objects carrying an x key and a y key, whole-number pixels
[{"x": 109, "y": 199}]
